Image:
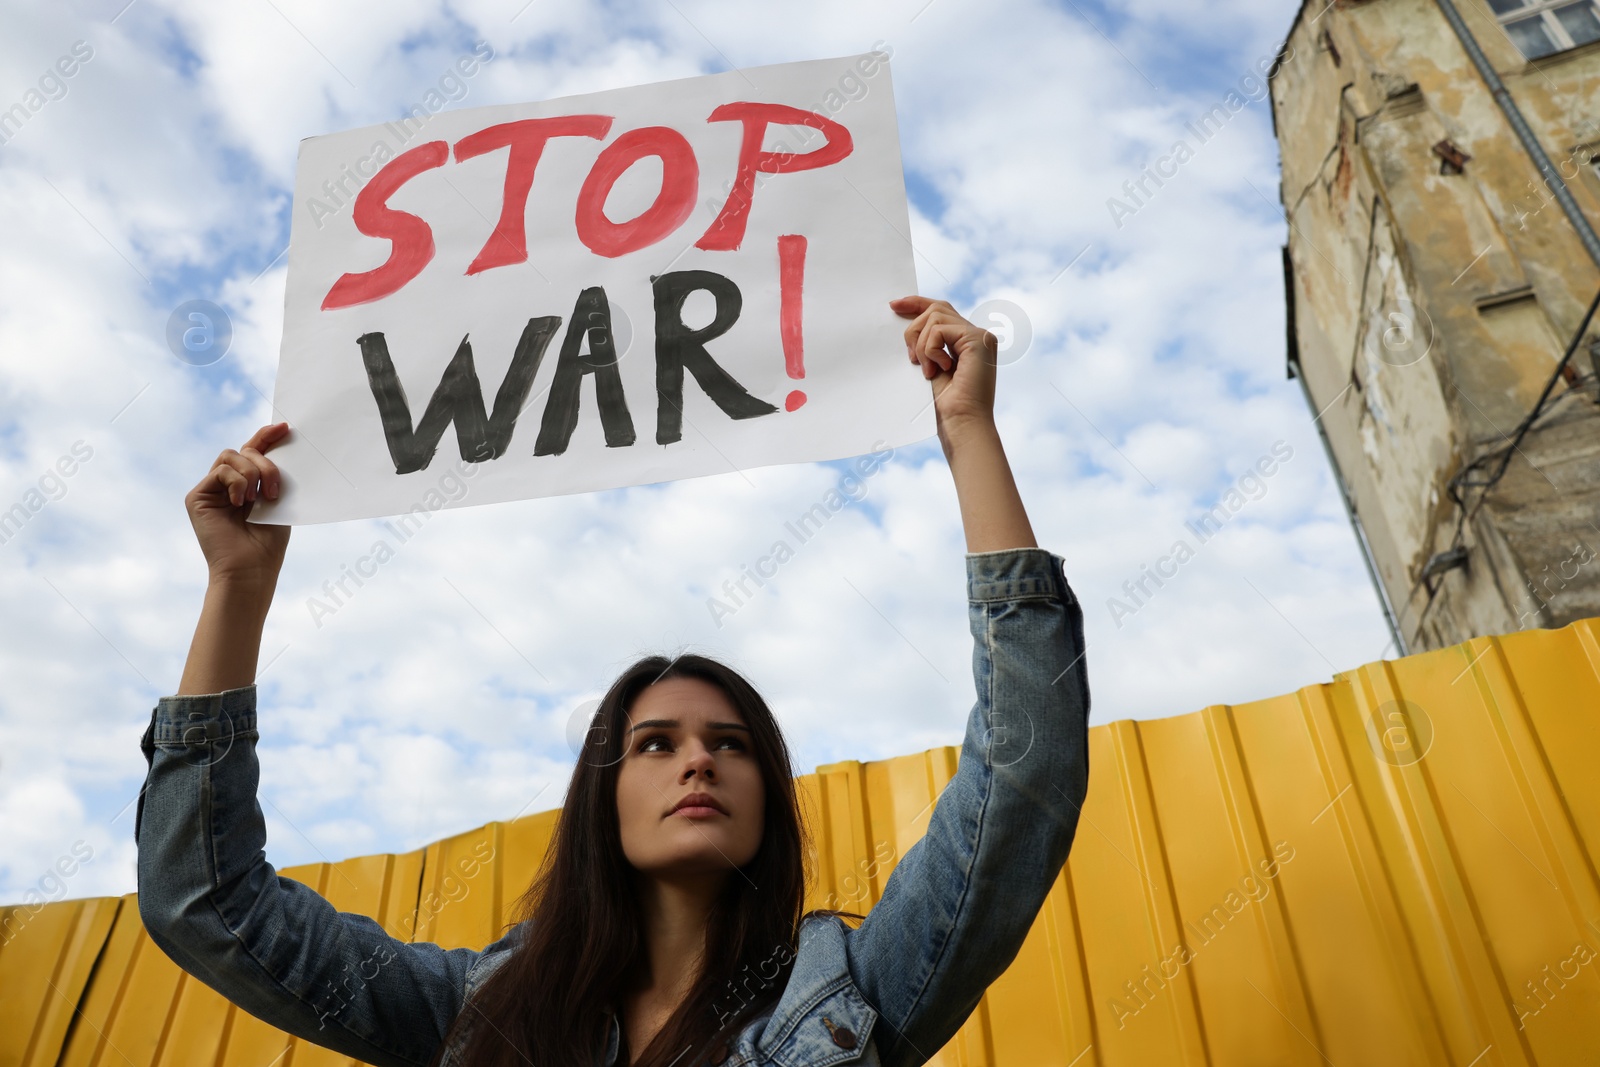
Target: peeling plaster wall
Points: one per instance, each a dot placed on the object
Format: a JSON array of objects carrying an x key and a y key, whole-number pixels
[{"x": 1431, "y": 307}]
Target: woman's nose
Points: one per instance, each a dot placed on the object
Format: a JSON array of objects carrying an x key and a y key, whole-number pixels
[{"x": 699, "y": 761}]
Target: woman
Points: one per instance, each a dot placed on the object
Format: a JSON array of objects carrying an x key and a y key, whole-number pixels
[{"x": 665, "y": 927}]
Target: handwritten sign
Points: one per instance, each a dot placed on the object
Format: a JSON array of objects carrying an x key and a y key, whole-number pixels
[{"x": 632, "y": 286}]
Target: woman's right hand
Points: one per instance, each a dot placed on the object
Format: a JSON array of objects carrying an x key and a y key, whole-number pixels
[{"x": 235, "y": 549}]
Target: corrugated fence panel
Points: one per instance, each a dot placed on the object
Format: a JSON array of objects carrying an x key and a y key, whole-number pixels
[
  {"x": 1395, "y": 868},
  {"x": 460, "y": 904},
  {"x": 47, "y": 952},
  {"x": 129, "y": 1002},
  {"x": 1129, "y": 914},
  {"x": 844, "y": 844},
  {"x": 525, "y": 843},
  {"x": 1339, "y": 903}
]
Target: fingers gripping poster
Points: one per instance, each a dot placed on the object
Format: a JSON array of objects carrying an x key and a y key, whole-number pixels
[{"x": 632, "y": 286}]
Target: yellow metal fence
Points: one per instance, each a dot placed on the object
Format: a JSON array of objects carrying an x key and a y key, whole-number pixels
[{"x": 1393, "y": 868}]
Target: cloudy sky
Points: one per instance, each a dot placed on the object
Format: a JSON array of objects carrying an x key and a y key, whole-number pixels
[{"x": 441, "y": 696}]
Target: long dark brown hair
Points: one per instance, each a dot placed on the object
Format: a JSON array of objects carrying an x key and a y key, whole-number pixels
[{"x": 582, "y": 941}]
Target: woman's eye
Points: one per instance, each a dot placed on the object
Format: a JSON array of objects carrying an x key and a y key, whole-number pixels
[{"x": 661, "y": 743}]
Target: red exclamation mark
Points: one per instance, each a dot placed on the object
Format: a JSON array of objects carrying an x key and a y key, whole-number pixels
[{"x": 791, "y": 279}]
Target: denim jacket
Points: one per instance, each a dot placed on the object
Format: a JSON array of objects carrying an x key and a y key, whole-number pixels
[{"x": 892, "y": 991}]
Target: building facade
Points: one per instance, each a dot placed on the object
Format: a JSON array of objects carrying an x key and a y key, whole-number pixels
[{"x": 1437, "y": 271}]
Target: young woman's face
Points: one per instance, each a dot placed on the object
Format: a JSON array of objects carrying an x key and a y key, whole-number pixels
[{"x": 685, "y": 738}]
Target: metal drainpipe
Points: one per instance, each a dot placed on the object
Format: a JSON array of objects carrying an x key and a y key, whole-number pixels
[
  {"x": 1552, "y": 177},
  {"x": 1355, "y": 521}
]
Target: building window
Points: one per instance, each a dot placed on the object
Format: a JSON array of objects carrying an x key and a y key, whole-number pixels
[{"x": 1545, "y": 27}]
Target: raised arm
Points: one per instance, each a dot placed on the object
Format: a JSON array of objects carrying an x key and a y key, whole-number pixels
[
  {"x": 207, "y": 894},
  {"x": 959, "y": 904}
]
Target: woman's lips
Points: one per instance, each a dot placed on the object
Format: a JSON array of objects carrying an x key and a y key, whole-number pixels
[
  {"x": 697, "y": 811},
  {"x": 698, "y": 806}
]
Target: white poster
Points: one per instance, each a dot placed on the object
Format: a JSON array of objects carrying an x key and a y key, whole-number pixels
[{"x": 633, "y": 286}]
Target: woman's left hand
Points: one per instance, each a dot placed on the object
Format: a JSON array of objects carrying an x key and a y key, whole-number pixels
[{"x": 957, "y": 357}]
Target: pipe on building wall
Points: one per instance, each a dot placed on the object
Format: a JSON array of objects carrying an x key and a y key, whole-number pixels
[{"x": 1530, "y": 143}]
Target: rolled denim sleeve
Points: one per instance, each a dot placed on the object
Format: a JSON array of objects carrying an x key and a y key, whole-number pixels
[
  {"x": 959, "y": 904},
  {"x": 271, "y": 945}
]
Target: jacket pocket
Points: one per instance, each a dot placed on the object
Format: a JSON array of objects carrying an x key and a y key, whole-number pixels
[{"x": 836, "y": 1029}]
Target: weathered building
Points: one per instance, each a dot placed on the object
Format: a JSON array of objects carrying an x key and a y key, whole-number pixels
[{"x": 1435, "y": 279}]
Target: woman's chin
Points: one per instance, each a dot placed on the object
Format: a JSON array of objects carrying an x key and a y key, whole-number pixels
[{"x": 703, "y": 861}]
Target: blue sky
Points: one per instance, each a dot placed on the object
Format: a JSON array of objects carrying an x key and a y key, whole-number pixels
[{"x": 439, "y": 698}]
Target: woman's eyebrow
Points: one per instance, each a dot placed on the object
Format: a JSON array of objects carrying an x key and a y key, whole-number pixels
[
  {"x": 674, "y": 724},
  {"x": 649, "y": 723}
]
